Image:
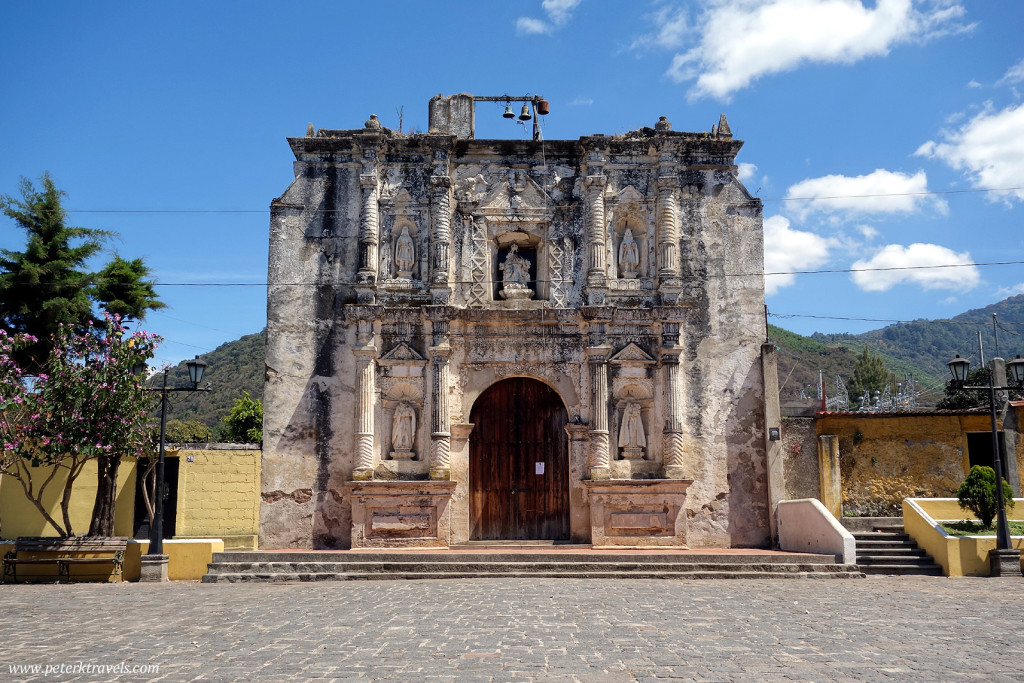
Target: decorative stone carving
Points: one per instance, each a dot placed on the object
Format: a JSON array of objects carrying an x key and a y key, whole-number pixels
[
  {"x": 629, "y": 256},
  {"x": 405, "y": 254},
  {"x": 478, "y": 293},
  {"x": 632, "y": 439},
  {"x": 403, "y": 432},
  {"x": 515, "y": 275}
]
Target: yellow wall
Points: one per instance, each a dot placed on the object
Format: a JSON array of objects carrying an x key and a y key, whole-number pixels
[
  {"x": 885, "y": 459},
  {"x": 219, "y": 495},
  {"x": 187, "y": 560},
  {"x": 19, "y": 517},
  {"x": 958, "y": 555}
]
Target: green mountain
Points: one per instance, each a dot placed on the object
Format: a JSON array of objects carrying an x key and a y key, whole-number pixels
[
  {"x": 233, "y": 367},
  {"x": 920, "y": 348}
]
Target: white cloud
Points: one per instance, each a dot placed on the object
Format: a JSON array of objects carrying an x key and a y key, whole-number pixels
[
  {"x": 582, "y": 102},
  {"x": 746, "y": 172},
  {"x": 1014, "y": 290},
  {"x": 558, "y": 11},
  {"x": 529, "y": 25},
  {"x": 878, "y": 192},
  {"x": 867, "y": 232},
  {"x": 989, "y": 148},
  {"x": 973, "y": 84},
  {"x": 1015, "y": 74},
  {"x": 921, "y": 261},
  {"x": 672, "y": 27},
  {"x": 741, "y": 40},
  {"x": 786, "y": 250}
]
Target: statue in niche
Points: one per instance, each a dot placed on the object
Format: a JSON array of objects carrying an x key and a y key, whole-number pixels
[
  {"x": 629, "y": 256},
  {"x": 631, "y": 433},
  {"x": 385, "y": 264},
  {"x": 403, "y": 432},
  {"x": 405, "y": 254},
  {"x": 515, "y": 274}
]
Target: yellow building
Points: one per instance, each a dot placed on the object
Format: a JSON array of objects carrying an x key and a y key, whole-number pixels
[{"x": 212, "y": 492}]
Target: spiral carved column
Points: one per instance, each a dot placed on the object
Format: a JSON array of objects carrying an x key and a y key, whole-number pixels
[
  {"x": 668, "y": 231},
  {"x": 368, "y": 230},
  {"x": 596, "y": 233},
  {"x": 441, "y": 235}
]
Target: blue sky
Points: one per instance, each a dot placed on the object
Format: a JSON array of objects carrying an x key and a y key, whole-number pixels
[{"x": 167, "y": 123}]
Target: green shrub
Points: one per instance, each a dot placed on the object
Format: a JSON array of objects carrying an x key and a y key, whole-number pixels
[
  {"x": 978, "y": 494},
  {"x": 244, "y": 424},
  {"x": 187, "y": 431}
]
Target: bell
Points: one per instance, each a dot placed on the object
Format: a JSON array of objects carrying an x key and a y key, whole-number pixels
[
  {"x": 509, "y": 114},
  {"x": 543, "y": 107},
  {"x": 525, "y": 114}
]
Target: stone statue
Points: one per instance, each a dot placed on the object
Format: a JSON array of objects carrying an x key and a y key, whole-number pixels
[
  {"x": 403, "y": 432},
  {"x": 629, "y": 256},
  {"x": 631, "y": 433},
  {"x": 515, "y": 274},
  {"x": 405, "y": 254}
]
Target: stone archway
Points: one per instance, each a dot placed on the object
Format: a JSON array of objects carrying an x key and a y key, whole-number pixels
[{"x": 519, "y": 463}]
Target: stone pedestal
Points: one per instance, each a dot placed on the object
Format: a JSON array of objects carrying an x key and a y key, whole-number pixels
[
  {"x": 638, "y": 512},
  {"x": 1004, "y": 562},
  {"x": 154, "y": 569},
  {"x": 400, "y": 514}
]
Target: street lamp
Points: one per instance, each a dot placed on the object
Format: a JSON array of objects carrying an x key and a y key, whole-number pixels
[
  {"x": 155, "y": 561},
  {"x": 1006, "y": 559}
]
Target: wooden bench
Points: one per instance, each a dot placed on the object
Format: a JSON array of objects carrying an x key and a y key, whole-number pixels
[{"x": 65, "y": 553}]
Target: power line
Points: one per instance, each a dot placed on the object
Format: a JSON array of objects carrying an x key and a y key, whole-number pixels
[
  {"x": 823, "y": 271},
  {"x": 924, "y": 193}
]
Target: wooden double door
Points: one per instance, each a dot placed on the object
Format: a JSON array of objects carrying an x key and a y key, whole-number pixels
[{"x": 519, "y": 463}]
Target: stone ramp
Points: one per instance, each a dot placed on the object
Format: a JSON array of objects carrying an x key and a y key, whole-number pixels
[{"x": 304, "y": 566}]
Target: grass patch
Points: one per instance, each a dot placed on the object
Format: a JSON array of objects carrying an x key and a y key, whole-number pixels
[{"x": 969, "y": 527}]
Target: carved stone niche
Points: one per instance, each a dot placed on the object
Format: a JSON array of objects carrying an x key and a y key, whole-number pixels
[
  {"x": 403, "y": 251},
  {"x": 402, "y": 391},
  {"x": 633, "y": 403},
  {"x": 631, "y": 247}
]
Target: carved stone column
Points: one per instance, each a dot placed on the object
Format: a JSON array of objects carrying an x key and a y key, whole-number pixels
[
  {"x": 365, "y": 404},
  {"x": 673, "y": 445},
  {"x": 668, "y": 231},
  {"x": 368, "y": 230},
  {"x": 596, "y": 232},
  {"x": 440, "y": 416},
  {"x": 440, "y": 238},
  {"x": 600, "y": 454}
]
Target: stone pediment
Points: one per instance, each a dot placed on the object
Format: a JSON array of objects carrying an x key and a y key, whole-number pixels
[
  {"x": 402, "y": 352},
  {"x": 629, "y": 194},
  {"x": 516, "y": 195},
  {"x": 631, "y": 355}
]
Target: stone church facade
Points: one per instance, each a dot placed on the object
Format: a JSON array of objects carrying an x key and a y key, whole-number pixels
[{"x": 513, "y": 340}]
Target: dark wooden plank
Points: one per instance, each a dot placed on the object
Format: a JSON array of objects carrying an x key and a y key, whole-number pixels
[{"x": 519, "y": 422}]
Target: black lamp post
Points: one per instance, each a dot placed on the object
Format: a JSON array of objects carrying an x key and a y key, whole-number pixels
[
  {"x": 196, "y": 368},
  {"x": 959, "y": 367}
]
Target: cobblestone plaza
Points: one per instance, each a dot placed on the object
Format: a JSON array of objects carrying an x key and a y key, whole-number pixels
[{"x": 878, "y": 629}]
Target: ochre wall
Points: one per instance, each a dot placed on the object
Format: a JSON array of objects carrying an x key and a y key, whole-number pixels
[
  {"x": 218, "y": 497},
  {"x": 19, "y": 517},
  {"x": 886, "y": 458},
  {"x": 218, "y": 494}
]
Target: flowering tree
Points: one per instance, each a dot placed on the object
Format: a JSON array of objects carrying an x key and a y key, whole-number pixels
[{"x": 86, "y": 405}]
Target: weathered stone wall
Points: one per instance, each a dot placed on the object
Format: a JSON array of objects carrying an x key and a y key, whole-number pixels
[
  {"x": 389, "y": 290},
  {"x": 800, "y": 453},
  {"x": 886, "y": 458}
]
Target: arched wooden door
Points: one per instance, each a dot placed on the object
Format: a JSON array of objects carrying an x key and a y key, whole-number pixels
[{"x": 519, "y": 463}]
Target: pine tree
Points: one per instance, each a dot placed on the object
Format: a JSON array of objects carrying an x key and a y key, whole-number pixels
[
  {"x": 869, "y": 374},
  {"x": 122, "y": 289},
  {"x": 47, "y": 284}
]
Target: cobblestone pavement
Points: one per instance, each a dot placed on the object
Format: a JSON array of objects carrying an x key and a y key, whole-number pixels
[{"x": 877, "y": 629}]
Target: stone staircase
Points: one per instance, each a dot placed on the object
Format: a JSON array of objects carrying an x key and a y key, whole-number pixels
[
  {"x": 299, "y": 566},
  {"x": 887, "y": 549}
]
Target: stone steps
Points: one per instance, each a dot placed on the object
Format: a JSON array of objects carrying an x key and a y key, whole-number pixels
[
  {"x": 891, "y": 551},
  {"x": 351, "y": 566}
]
